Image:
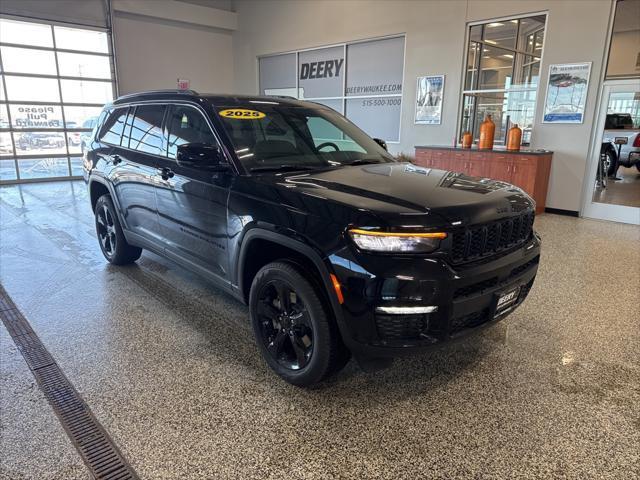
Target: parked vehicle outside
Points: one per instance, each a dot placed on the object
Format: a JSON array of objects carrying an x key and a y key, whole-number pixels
[
  {"x": 620, "y": 126},
  {"x": 337, "y": 248},
  {"x": 40, "y": 140},
  {"x": 85, "y": 137},
  {"x": 6, "y": 146}
]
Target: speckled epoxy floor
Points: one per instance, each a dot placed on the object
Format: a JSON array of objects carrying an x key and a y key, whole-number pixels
[{"x": 169, "y": 367}]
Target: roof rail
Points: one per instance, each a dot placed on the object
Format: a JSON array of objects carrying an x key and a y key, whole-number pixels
[{"x": 154, "y": 92}]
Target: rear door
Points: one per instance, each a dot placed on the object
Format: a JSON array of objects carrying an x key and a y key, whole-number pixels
[
  {"x": 192, "y": 202},
  {"x": 135, "y": 172}
]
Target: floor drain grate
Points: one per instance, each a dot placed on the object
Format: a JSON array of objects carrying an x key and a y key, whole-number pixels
[{"x": 91, "y": 440}]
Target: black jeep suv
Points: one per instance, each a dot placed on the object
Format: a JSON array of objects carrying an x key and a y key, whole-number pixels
[{"x": 337, "y": 248}]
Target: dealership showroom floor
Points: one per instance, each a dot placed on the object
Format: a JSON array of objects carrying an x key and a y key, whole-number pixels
[
  {"x": 370, "y": 177},
  {"x": 169, "y": 366}
]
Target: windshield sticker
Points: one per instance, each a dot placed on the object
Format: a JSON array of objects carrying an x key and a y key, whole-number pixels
[{"x": 242, "y": 114}]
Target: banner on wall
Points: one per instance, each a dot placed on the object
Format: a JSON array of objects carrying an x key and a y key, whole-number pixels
[
  {"x": 362, "y": 80},
  {"x": 567, "y": 93},
  {"x": 429, "y": 91},
  {"x": 321, "y": 72}
]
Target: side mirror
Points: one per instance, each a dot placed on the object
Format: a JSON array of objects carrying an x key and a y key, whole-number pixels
[
  {"x": 381, "y": 142},
  {"x": 201, "y": 155}
]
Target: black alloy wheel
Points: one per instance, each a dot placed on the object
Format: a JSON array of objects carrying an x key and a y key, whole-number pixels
[
  {"x": 293, "y": 325},
  {"x": 113, "y": 243},
  {"x": 286, "y": 328},
  {"x": 106, "y": 230}
]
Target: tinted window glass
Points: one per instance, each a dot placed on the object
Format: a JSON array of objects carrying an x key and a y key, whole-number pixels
[
  {"x": 126, "y": 134},
  {"x": 187, "y": 125},
  {"x": 146, "y": 130},
  {"x": 112, "y": 129}
]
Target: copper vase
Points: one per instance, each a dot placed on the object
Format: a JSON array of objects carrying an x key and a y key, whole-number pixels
[
  {"x": 467, "y": 139},
  {"x": 487, "y": 132},
  {"x": 514, "y": 138}
]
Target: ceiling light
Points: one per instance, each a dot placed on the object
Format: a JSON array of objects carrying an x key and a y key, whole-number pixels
[
  {"x": 508, "y": 55},
  {"x": 495, "y": 24},
  {"x": 514, "y": 21},
  {"x": 492, "y": 42}
]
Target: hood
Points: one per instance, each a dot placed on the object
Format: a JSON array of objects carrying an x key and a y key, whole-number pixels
[{"x": 403, "y": 194}]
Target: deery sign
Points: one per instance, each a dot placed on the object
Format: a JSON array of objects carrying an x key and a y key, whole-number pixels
[{"x": 323, "y": 69}]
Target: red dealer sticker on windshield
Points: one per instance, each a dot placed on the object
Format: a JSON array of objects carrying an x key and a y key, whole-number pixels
[{"x": 242, "y": 114}]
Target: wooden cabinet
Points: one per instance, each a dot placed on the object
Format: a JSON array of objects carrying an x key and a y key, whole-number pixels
[
  {"x": 523, "y": 173},
  {"x": 500, "y": 168},
  {"x": 527, "y": 170},
  {"x": 458, "y": 161}
]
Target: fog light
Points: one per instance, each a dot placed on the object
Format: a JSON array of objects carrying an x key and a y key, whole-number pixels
[{"x": 407, "y": 310}]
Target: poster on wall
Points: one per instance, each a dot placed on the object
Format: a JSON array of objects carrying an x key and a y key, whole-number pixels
[
  {"x": 566, "y": 93},
  {"x": 429, "y": 93}
]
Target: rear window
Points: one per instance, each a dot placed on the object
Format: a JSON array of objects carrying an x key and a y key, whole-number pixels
[
  {"x": 618, "y": 121},
  {"x": 111, "y": 131},
  {"x": 146, "y": 129}
]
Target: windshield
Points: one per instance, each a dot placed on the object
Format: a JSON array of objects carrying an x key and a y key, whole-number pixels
[{"x": 269, "y": 136}]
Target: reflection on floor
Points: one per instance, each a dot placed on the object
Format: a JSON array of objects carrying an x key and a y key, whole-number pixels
[
  {"x": 621, "y": 192},
  {"x": 168, "y": 365}
]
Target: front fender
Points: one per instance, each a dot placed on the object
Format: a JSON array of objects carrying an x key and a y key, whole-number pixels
[{"x": 294, "y": 244}]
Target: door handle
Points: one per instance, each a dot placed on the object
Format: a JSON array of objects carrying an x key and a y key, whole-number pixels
[
  {"x": 116, "y": 159},
  {"x": 166, "y": 173}
]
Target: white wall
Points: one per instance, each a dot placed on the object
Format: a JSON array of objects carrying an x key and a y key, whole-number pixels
[
  {"x": 152, "y": 53},
  {"x": 435, "y": 32},
  {"x": 625, "y": 53}
]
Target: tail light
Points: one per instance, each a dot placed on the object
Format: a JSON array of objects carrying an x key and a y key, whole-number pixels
[{"x": 636, "y": 142}]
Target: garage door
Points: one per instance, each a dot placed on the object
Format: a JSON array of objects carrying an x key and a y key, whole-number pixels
[{"x": 54, "y": 80}]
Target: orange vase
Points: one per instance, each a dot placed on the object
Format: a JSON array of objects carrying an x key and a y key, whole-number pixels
[
  {"x": 514, "y": 138},
  {"x": 467, "y": 139},
  {"x": 487, "y": 132}
]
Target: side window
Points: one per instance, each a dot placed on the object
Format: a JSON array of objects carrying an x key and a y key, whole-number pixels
[
  {"x": 112, "y": 128},
  {"x": 146, "y": 129},
  {"x": 188, "y": 125}
]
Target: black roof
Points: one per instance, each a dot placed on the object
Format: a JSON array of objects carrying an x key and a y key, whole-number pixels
[{"x": 213, "y": 98}]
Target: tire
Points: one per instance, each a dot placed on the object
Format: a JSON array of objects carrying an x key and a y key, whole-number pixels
[
  {"x": 612, "y": 164},
  {"x": 112, "y": 242},
  {"x": 299, "y": 341}
]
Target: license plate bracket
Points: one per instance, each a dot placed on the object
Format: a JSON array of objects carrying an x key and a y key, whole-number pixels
[{"x": 505, "y": 300}]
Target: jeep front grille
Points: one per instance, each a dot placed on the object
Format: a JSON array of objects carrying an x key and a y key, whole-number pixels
[{"x": 480, "y": 241}]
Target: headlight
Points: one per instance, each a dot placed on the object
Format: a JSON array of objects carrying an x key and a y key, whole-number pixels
[{"x": 396, "y": 242}]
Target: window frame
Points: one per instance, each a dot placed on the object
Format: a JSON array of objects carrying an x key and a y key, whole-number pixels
[
  {"x": 517, "y": 89},
  {"x": 69, "y": 153}
]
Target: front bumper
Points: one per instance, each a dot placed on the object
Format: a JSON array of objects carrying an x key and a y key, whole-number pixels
[{"x": 466, "y": 298}]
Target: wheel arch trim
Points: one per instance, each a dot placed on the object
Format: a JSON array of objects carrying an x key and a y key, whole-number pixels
[
  {"x": 297, "y": 246},
  {"x": 102, "y": 181}
]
